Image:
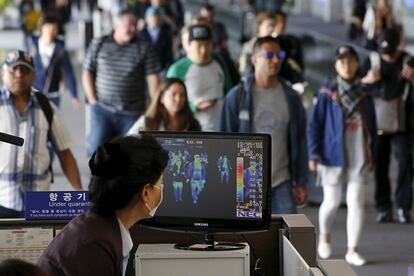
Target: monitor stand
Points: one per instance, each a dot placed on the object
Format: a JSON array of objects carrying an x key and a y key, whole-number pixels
[{"x": 210, "y": 245}]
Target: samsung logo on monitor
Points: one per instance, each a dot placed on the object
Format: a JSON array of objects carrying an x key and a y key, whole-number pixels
[{"x": 200, "y": 224}]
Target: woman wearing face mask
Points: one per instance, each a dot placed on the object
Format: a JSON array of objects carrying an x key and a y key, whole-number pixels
[
  {"x": 125, "y": 188},
  {"x": 168, "y": 111},
  {"x": 341, "y": 135}
]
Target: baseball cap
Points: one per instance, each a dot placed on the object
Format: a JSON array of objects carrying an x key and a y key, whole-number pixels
[
  {"x": 18, "y": 57},
  {"x": 344, "y": 51},
  {"x": 199, "y": 32},
  {"x": 388, "y": 41},
  {"x": 152, "y": 10}
]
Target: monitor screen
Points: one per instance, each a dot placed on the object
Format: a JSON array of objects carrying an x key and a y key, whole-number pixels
[{"x": 214, "y": 182}]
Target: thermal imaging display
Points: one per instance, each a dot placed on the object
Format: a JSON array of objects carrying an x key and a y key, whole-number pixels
[
  {"x": 224, "y": 167},
  {"x": 204, "y": 178}
]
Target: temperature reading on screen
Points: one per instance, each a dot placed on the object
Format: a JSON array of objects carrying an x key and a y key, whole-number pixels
[
  {"x": 194, "y": 142},
  {"x": 249, "y": 170}
]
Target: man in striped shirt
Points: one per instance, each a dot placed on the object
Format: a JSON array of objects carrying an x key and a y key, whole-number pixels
[
  {"x": 27, "y": 168},
  {"x": 115, "y": 70}
]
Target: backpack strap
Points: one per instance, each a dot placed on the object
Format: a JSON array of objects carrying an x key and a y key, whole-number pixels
[
  {"x": 104, "y": 39},
  {"x": 53, "y": 62},
  {"x": 220, "y": 60},
  {"x": 99, "y": 44},
  {"x": 46, "y": 107},
  {"x": 240, "y": 96},
  {"x": 407, "y": 85},
  {"x": 330, "y": 90},
  {"x": 48, "y": 112}
]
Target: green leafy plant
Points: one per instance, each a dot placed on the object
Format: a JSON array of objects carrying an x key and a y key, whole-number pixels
[{"x": 3, "y": 5}]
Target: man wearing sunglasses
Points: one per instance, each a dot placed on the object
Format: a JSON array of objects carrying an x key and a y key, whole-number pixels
[{"x": 263, "y": 103}]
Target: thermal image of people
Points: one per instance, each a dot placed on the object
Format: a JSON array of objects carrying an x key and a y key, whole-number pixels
[
  {"x": 178, "y": 175},
  {"x": 186, "y": 157},
  {"x": 224, "y": 167},
  {"x": 197, "y": 175}
]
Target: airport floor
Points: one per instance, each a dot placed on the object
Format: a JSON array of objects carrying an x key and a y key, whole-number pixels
[{"x": 388, "y": 247}]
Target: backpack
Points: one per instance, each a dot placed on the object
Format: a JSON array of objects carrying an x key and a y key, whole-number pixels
[{"x": 48, "y": 112}]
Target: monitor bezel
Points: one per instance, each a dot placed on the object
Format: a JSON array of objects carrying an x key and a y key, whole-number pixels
[{"x": 217, "y": 225}]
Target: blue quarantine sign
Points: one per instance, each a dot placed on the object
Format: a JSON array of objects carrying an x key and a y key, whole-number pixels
[{"x": 55, "y": 205}]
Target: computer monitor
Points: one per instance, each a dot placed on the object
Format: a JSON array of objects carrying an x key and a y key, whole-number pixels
[{"x": 214, "y": 183}]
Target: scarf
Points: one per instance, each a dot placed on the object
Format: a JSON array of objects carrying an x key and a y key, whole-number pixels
[{"x": 349, "y": 95}]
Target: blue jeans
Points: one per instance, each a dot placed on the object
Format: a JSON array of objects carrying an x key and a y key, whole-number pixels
[
  {"x": 106, "y": 125},
  {"x": 56, "y": 101},
  {"x": 282, "y": 199}
]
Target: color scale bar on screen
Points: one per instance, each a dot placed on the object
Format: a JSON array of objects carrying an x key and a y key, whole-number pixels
[{"x": 240, "y": 184}]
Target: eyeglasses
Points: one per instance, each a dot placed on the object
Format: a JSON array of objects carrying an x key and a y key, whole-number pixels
[{"x": 269, "y": 55}]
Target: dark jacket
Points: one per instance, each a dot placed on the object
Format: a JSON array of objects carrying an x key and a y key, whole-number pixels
[
  {"x": 163, "y": 46},
  {"x": 237, "y": 116},
  {"x": 90, "y": 244},
  {"x": 326, "y": 128},
  {"x": 62, "y": 67}
]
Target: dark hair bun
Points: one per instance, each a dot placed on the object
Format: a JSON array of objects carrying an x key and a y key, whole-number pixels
[{"x": 107, "y": 161}]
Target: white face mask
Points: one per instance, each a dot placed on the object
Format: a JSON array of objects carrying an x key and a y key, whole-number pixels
[{"x": 153, "y": 211}]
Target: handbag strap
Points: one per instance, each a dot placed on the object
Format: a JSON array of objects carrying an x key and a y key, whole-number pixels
[{"x": 407, "y": 83}]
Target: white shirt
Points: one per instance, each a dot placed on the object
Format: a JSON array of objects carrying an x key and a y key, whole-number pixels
[
  {"x": 46, "y": 52},
  {"x": 126, "y": 245}
]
